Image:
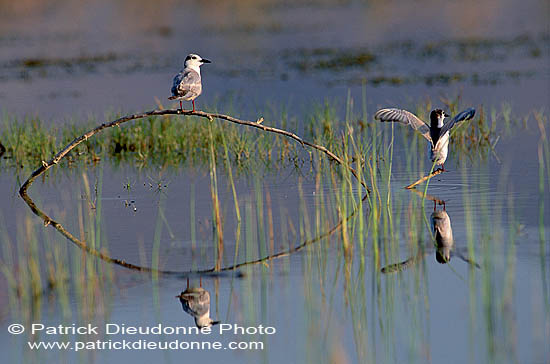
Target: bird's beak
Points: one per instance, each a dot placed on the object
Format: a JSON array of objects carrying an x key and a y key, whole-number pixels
[{"x": 205, "y": 61}]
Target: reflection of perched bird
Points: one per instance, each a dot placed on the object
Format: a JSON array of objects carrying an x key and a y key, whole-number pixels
[
  {"x": 437, "y": 133},
  {"x": 441, "y": 226},
  {"x": 187, "y": 84},
  {"x": 444, "y": 244},
  {"x": 196, "y": 302}
]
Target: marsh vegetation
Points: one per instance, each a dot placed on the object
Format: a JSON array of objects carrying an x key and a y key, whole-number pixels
[
  {"x": 348, "y": 239},
  {"x": 179, "y": 220}
]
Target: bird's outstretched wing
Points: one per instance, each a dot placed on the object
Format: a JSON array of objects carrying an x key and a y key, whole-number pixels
[
  {"x": 464, "y": 115},
  {"x": 404, "y": 117},
  {"x": 399, "y": 267},
  {"x": 467, "y": 260},
  {"x": 187, "y": 82}
]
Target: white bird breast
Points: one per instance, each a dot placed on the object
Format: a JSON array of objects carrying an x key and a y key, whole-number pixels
[{"x": 441, "y": 149}]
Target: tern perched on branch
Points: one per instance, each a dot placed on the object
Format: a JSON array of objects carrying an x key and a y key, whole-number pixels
[
  {"x": 187, "y": 84},
  {"x": 436, "y": 133}
]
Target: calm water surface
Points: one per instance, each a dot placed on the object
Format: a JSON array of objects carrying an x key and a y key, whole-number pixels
[{"x": 327, "y": 302}]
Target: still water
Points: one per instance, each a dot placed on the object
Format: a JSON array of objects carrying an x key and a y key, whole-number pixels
[{"x": 370, "y": 289}]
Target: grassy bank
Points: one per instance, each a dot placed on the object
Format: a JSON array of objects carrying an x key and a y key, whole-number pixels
[{"x": 180, "y": 141}]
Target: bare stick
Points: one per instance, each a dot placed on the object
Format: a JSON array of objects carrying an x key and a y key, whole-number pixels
[{"x": 425, "y": 178}]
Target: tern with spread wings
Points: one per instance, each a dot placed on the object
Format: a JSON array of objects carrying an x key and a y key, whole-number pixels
[{"x": 437, "y": 133}]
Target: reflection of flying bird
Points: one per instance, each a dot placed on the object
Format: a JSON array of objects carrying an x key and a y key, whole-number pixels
[
  {"x": 444, "y": 244},
  {"x": 196, "y": 302},
  {"x": 437, "y": 133},
  {"x": 187, "y": 84}
]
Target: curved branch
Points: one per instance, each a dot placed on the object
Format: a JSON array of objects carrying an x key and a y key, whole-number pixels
[
  {"x": 210, "y": 116},
  {"x": 80, "y": 243},
  {"x": 103, "y": 256}
]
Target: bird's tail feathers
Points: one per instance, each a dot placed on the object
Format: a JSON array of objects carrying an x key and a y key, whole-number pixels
[{"x": 172, "y": 97}]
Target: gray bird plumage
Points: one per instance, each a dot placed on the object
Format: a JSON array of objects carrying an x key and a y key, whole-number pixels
[
  {"x": 196, "y": 302},
  {"x": 461, "y": 116},
  {"x": 443, "y": 244},
  {"x": 404, "y": 117},
  {"x": 187, "y": 84},
  {"x": 441, "y": 226},
  {"x": 436, "y": 133}
]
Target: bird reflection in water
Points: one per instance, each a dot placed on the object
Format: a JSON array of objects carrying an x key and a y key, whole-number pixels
[
  {"x": 196, "y": 302},
  {"x": 443, "y": 242}
]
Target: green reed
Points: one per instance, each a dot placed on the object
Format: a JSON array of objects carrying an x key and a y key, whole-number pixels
[
  {"x": 543, "y": 152},
  {"x": 341, "y": 269},
  {"x": 44, "y": 272},
  {"x": 180, "y": 141}
]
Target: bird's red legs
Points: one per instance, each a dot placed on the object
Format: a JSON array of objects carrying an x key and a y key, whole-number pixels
[
  {"x": 200, "y": 281},
  {"x": 187, "y": 282},
  {"x": 440, "y": 203},
  {"x": 193, "y": 101},
  {"x": 181, "y": 106}
]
